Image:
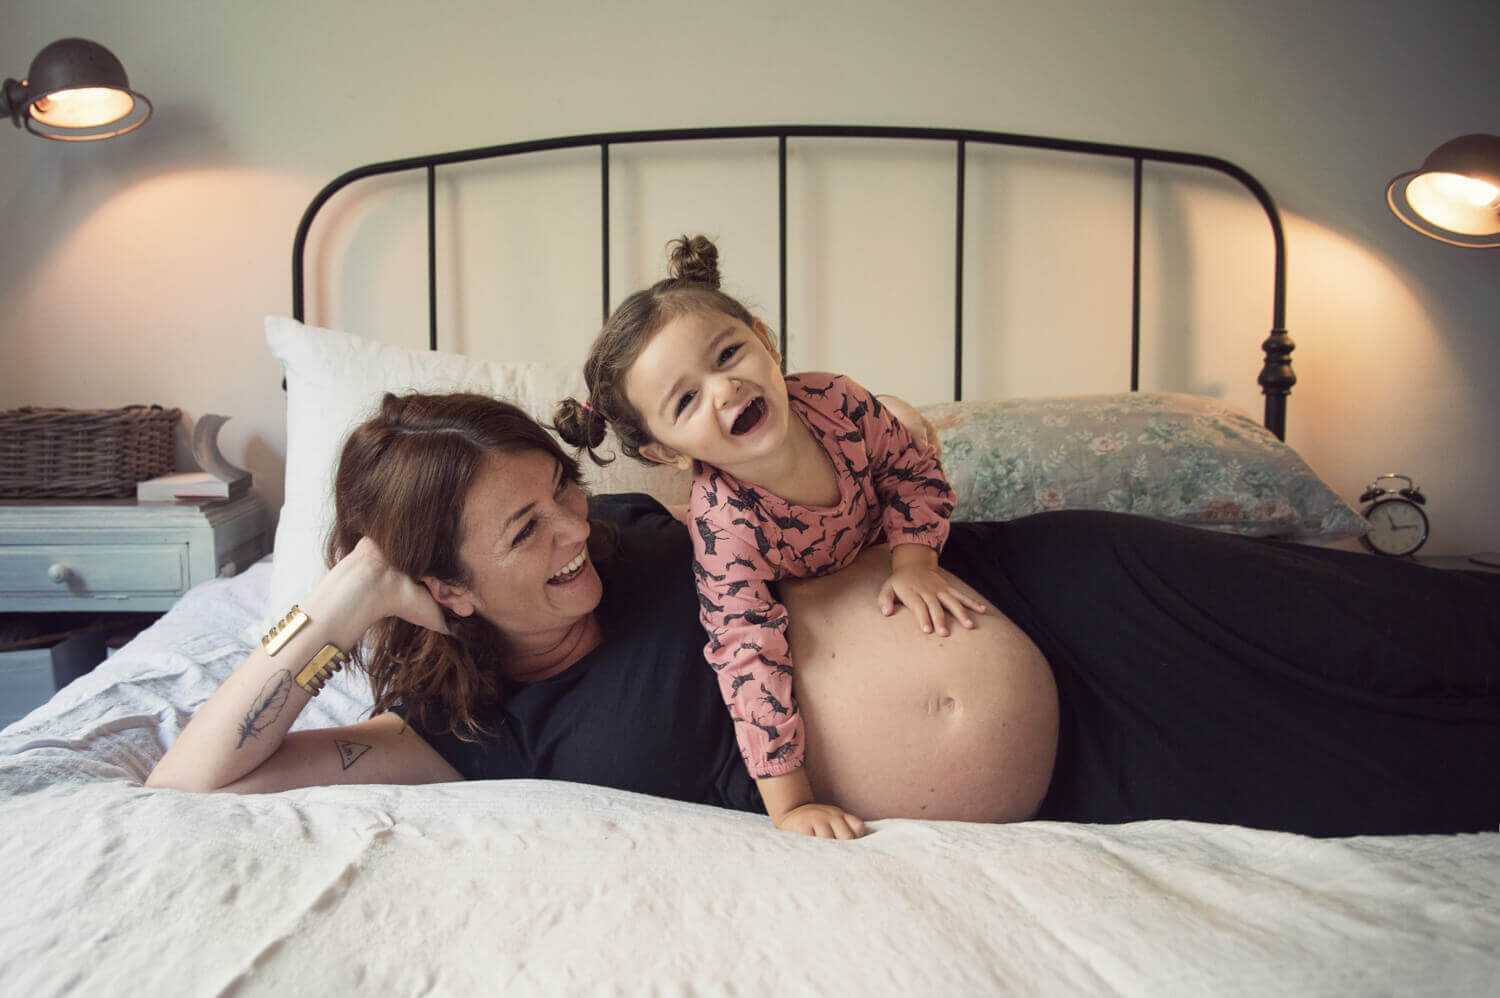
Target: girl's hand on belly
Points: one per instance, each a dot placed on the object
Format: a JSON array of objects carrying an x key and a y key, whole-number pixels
[{"x": 931, "y": 594}]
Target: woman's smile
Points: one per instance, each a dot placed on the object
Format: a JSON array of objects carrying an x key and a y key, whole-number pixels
[{"x": 571, "y": 571}]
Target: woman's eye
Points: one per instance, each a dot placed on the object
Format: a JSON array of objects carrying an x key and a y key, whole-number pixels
[
  {"x": 524, "y": 533},
  {"x": 684, "y": 402}
]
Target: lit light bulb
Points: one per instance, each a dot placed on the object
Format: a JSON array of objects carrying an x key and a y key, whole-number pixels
[
  {"x": 85, "y": 107},
  {"x": 1454, "y": 202},
  {"x": 1457, "y": 187}
]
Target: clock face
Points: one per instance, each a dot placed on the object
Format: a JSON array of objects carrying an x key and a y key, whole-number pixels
[{"x": 1397, "y": 526}]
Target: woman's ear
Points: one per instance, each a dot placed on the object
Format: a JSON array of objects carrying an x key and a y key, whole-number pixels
[
  {"x": 662, "y": 454},
  {"x": 764, "y": 332},
  {"x": 455, "y": 598}
]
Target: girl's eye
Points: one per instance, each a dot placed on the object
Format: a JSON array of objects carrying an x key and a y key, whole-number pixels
[
  {"x": 684, "y": 402},
  {"x": 728, "y": 354}
]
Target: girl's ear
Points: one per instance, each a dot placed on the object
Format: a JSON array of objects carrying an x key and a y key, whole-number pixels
[
  {"x": 662, "y": 454},
  {"x": 764, "y": 333},
  {"x": 455, "y": 598}
]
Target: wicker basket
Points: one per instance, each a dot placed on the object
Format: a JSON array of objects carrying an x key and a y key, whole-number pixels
[{"x": 84, "y": 453}]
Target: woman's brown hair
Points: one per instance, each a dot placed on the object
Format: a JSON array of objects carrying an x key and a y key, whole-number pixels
[
  {"x": 692, "y": 288},
  {"x": 403, "y": 480}
]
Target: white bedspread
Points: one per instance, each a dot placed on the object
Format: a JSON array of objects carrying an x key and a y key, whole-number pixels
[{"x": 530, "y": 887}]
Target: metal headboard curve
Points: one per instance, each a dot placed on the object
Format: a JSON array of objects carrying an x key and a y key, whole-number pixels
[{"x": 1276, "y": 377}]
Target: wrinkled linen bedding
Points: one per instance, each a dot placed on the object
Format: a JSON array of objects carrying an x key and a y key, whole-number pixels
[{"x": 537, "y": 887}]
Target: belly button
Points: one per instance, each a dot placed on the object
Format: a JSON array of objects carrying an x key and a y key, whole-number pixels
[{"x": 942, "y": 705}]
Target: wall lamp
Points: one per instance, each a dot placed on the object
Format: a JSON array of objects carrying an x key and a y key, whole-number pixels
[
  {"x": 76, "y": 91},
  {"x": 1455, "y": 196}
]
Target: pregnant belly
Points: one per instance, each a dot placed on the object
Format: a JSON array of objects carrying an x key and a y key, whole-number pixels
[{"x": 901, "y": 724}]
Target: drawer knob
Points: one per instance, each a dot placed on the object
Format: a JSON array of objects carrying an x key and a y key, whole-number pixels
[{"x": 58, "y": 572}]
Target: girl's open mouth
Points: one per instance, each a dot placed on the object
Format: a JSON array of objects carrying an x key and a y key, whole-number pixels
[{"x": 750, "y": 417}]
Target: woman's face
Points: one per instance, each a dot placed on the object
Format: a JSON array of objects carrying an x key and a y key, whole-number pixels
[
  {"x": 525, "y": 544},
  {"x": 709, "y": 388}
]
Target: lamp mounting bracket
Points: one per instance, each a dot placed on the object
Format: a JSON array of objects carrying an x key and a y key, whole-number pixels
[{"x": 13, "y": 100}]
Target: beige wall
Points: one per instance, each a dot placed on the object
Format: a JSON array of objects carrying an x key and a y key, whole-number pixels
[{"x": 140, "y": 269}]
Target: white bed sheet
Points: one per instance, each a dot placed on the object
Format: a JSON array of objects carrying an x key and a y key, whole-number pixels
[{"x": 530, "y": 887}]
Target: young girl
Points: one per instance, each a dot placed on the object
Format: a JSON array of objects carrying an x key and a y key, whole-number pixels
[{"x": 792, "y": 477}]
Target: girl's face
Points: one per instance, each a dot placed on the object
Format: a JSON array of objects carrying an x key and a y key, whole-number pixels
[{"x": 710, "y": 389}]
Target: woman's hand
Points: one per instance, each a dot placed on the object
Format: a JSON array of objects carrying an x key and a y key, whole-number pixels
[
  {"x": 821, "y": 821},
  {"x": 917, "y": 582},
  {"x": 363, "y": 586}
]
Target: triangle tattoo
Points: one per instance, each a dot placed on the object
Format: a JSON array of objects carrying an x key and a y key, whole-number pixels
[{"x": 349, "y": 752}]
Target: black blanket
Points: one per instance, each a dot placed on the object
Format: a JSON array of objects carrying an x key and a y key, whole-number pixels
[{"x": 1217, "y": 678}]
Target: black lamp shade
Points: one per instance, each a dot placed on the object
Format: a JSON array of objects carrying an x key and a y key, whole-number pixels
[
  {"x": 77, "y": 91},
  {"x": 1455, "y": 196}
]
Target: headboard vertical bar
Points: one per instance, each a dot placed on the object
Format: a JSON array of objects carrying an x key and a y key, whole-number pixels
[
  {"x": 431, "y": 257},
  {"x": 958, "y": 278},
  {"x": 604, "y": 221},
  {"x": 781, "y": 235},
  {"x": 1135, "y": 287}
]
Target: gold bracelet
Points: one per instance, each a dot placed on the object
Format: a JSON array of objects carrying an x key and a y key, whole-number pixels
[
  {"x": 320, "y": 667},
  {"x": 281, "y": 632}
]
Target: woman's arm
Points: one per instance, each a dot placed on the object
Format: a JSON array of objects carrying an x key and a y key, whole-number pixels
[
  {"x": 383, "y": 749},
  {"x": 238, "y": 740}
]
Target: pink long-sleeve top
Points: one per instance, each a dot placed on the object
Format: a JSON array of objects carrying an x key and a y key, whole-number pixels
[{"x": 745, "y": 538}]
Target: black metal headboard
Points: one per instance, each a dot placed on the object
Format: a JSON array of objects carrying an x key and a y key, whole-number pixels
[{"x": 1276, "y": 377}]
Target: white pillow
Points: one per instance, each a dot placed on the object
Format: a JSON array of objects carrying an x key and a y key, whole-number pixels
[{"x": 334, "y": 381}]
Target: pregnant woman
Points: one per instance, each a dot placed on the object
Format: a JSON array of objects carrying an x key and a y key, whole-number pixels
[{"x": 512, "y": 626}]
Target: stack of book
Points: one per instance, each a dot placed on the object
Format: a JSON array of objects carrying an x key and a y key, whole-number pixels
[{"x": 190, "y": 485}]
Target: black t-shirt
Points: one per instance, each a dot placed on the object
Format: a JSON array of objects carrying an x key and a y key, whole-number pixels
[{"x": 642, "y": 711}]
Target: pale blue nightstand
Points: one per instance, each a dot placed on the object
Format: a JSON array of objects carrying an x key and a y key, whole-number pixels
[{"x": 94, "y": 556}]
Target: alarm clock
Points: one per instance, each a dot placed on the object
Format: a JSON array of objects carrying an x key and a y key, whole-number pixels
[{"x": 1398, "y": 526}]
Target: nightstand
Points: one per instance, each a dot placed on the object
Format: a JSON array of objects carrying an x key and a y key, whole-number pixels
[
  {"x": 111, "y": 556},
  {"x": 102, "y": 554}
]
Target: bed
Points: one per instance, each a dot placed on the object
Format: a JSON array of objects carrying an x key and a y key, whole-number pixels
[{"x": 542, "y": 887}]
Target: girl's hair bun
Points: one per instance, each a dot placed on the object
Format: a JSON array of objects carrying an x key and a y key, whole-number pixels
[
  {"x": 579, "y": 425},
  {"x": 696, "y": 259}
]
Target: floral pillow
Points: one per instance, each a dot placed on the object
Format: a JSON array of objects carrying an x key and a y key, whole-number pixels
[{"x": 1186, "y": 458}]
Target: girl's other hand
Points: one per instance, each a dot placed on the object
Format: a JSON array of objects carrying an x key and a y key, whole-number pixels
[{"x": 822, "y": 821}]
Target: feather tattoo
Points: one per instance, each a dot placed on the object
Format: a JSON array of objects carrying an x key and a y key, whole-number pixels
[{"x": 267, "y": 706}]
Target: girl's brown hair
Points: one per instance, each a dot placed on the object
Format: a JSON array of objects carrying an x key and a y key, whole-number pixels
[
  {"x": 403, "y": 480},
  {"x": 692, "y": 288}
]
